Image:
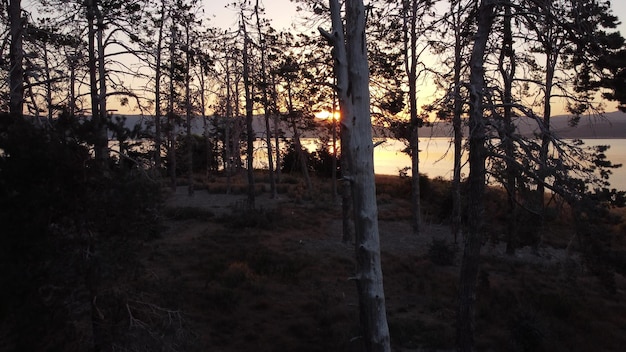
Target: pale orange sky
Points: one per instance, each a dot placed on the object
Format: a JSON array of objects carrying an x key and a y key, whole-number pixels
[{"x": 283, "y": 15}]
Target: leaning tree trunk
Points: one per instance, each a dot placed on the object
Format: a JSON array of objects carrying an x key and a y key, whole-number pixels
[
  {"x": 353, "y": 89},
  {"x": 476, "y": 182}
]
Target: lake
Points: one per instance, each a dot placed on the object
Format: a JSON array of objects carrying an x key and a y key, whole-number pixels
[{"x": 436, "y": 158}]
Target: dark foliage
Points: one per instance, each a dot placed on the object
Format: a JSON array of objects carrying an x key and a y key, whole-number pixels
[
  {"x": 319, "y": 161},
  {"x": 199, "y": 155},
  {"x": 68, "y": 227},
  {"x": 440, "y": 252}
]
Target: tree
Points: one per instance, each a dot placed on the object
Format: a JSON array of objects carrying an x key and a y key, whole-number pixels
[
  {"x": 265, "y": 86},
  {"x": 459, "y": 25},
  {"x": 290, "y": 71},
  {"x": 476, "y": 180},
  {"x": 249, "y": 109},
  {"x": 398, "y": 62},
  {"x": 411, "y": 57},
  {"x": 352, "y": 74},
  {"x": 16, "y": 59},
  {"x": 507, "y": 67},
  {"x": 159, "y": 22}
]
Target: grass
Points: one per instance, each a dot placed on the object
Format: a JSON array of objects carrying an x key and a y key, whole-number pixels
[{"x": 261, "y": 280}]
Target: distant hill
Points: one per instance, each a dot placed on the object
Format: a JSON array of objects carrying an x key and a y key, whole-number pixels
[{"x": 611, "y": 125}]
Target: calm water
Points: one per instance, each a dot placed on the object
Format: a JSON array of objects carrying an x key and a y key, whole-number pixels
[
  {"x": 437, "y": 154},
  {"x": 436, "y": 158}
]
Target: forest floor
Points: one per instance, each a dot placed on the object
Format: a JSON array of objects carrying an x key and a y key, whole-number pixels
[{"x": 222, "y": 277}]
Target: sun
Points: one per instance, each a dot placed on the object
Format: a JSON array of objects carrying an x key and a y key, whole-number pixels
[{"x": 326, "y": 115}]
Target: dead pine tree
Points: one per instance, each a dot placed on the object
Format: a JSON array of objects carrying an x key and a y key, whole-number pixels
[{"x": 352, "y": 72}]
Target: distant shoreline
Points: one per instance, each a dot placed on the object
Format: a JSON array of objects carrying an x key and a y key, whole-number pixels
[{"x": 611, "y": 126}]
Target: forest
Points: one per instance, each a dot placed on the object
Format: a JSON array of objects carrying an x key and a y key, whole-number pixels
[{"x": 135, "y": 218}]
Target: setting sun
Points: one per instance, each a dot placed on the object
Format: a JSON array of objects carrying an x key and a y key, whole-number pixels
[{"x": 325, "y": 115}]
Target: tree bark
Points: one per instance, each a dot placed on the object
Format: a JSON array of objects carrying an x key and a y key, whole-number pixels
[
  {"x": 16, "y": 58},
  {"x": 476, "y": 182},
  {"x": 552, "y": 58},
  {"x": 266, "y": 109},
  {"x": 188, "y": 111},
  {"x": 276, "y": 129},
  {"x": 157, "y": 92},
  {"x": 410, "y": 52},
  {"x": 337, "y": 40},
  {"x": 352, "y": 73},
  {"x": 102, "y": 138},
  {"x": 507, "y": 56},
  {"x": 249, "y": 129},
  {"x": 457, "y": 124},
  {"x": 171, "y": 150},
  {"x": 369, "y": 275},
  {"x": 93, "y": 72}
]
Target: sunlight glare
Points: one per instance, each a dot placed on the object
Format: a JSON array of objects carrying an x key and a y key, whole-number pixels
[{"x": 325, "y": 115}]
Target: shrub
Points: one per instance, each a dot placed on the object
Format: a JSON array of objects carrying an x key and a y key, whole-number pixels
[
  {"x": 440, "y": 252},
  {"x": 69, "y": 228}
]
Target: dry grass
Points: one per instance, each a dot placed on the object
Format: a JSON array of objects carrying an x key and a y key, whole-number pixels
[{"x": 285, "y": 287}]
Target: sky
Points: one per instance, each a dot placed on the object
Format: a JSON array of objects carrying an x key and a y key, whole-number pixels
[
  {"x": 283, "y": 12},
  {"x": 283, "y": 15}
]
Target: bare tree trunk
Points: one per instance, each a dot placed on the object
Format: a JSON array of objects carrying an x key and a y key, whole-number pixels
[
  {"x": 49, "y": 102},
  {"x": 410, "y": 50},
  {"x": 507, "y": 59},
  {"x": 369, "y": 275},
  {"x": 188, "y": 111},
  {"x": 102, "y": 135},
  {"x": 171, "y": 150},
  {"x": 334, "y": 162},
  {"x": 457, "y": 125},
  {"x": 476, "y": 181},
  {"x": 337, "y": 40},
  {"x": 276, "y": 129},
  {"x": 266, "y": 109},
  {"x": 551, "y": 62},
  {"x": 16, "y": 57},
  {"x": 157, "y": 93},
  {"x": 228, "y": 165},
  {"x": 72, "y": 61},
  {"x": 249, "y": 129},
  {"x": 205, "y": 124},
  {"x": 236, "y": 130},
  {"x": 352, "y": 71},
  {"x": 93, "y": 75}
]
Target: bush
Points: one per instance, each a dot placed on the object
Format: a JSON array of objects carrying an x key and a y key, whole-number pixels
[
  {"x": 69, "y": 228},
  {"x": 440, "y": 252}
]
